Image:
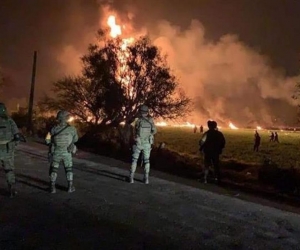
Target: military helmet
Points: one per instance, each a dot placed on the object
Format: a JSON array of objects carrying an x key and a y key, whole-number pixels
[
  {"x": 209, "y": 123},
  {"x": 62, "y": 115},
  {"x": 212, "y": 124},
  {"x": 144, "y": 109}
]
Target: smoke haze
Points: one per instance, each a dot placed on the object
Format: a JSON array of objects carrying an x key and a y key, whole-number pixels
[{"x": 228, "y": 80}]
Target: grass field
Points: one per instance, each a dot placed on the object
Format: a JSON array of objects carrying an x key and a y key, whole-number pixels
[{"x": 239, "y": 145}]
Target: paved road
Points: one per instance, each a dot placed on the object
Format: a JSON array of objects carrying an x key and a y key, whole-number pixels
[{"x": 105, "y": 212}]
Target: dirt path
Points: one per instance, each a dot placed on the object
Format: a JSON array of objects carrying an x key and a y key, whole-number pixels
[{"x": 106, "y": 212}]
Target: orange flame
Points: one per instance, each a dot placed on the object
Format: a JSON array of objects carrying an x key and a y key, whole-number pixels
[
  {"x": 232, "y": 126},
  {"x": 115, "y": 30},
  {"x": 161, "y": 124},
  {"x": 123, "y": 76}
]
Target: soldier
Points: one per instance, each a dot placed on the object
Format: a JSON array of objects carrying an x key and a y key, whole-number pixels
[
  {"x": 256, "y": 141},
  {"x": 9, "y": 137},
  {"x": 144, "y": 131},
  {"x": 61, "y": 141},
  {"x": 212, "y": 144}
]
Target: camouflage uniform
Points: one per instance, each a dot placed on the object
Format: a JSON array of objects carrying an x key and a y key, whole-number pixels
[
  {"x": 144, "y": 138},
  {"x": 61, "y": 140},
  {"x": 212, "y": 144},
  {"x": 9, "y": 136}
]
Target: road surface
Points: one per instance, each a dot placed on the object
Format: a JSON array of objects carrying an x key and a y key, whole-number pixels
[{"x": 106, "y": 212}]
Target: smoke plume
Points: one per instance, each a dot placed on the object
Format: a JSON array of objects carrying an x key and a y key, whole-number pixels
[{"x": 228, "y": 80}]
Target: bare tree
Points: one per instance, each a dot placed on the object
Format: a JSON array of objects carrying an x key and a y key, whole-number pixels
[{"x": 78, "y": 95}]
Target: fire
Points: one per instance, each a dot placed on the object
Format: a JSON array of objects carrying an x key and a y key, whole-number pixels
[
  {"x": 71, "y": 119},
  {"x": 232, "y": 126},
  {"x": 115, "y": 30},
  {"x": 161, "y": 124},
  {"x": 186, "y": 124},
  {"x": 259, "y": 128},
  {"x": 123, "y": 55},
  {"x": 172, "y": 124}
]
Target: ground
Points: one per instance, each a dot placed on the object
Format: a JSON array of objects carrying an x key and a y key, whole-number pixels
[
  {"x": 106, "y": 212},
  {"x": 239, "y": 145}
]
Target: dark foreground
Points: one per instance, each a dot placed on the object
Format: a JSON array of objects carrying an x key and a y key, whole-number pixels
[{"x": 106, "y": 212}]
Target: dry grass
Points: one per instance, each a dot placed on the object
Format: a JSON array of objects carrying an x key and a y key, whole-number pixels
[{"x": 239, "y": 145}]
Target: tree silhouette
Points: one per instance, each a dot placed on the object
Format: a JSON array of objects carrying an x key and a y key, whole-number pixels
[{"x": 116, "y": 79}]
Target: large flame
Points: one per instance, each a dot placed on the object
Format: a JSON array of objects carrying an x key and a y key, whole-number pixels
[
  {"x": 161, "y": 124},
  {"x": 123, "y": 76},
  {"x": 115, "y": 30},
  {"x": 232, "y": 126}
]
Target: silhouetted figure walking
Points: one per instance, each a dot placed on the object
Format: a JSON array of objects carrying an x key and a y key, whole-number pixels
[
  {"x": 272, "y": 136},
  {"x": 195, "y": 129},
  {"x": 201, "y": 129},
  {"x": 256, "y": 141},
  {"x": 276, "y": 137}
]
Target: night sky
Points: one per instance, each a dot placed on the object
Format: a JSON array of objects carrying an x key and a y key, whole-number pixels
[{"x": 269, "y": 27}]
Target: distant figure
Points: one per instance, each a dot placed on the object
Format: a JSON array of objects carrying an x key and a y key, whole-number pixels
[
  {"x": 195, "y": 129},
  {"x": 212, "y": 144},
  {"x": 256, "y": 141},
  {"x": 276, "y": 137},
  {"x": 162, "y": 145},
  {"x": 272, "y": 136},
  {"x": 201, "y": 129}
]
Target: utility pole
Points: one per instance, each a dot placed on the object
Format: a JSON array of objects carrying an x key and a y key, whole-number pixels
[{"x": 31, "y": 97}]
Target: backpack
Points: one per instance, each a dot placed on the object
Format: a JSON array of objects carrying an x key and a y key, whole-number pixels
[
  {"x": 144, "y": 130},
  {"x": 6, "y": 134}
]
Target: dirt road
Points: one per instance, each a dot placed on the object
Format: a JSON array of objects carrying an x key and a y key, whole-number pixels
[{"x": 106, "y": 212}]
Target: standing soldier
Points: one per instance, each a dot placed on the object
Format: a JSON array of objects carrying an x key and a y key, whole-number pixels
[
  {"x": 212, "y": 144},
  {"x": 144, "y": 131},
  {"x": 61, "y": 141},
  {"x": 256, "y": 141},
  {"x": 9, "y": 137}
]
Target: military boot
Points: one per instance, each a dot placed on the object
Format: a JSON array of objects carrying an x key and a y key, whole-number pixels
[
  {"x": 52, "y": 187},
  {"x": 146, "y": 178},
  {"x": 12, "y": 190},
  {"x": 131, "y": 178},
  {"x": 71, "y": 188},
  {"x": 53, "y": 177}
]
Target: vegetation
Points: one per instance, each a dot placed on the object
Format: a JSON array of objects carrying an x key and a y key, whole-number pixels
[
  {"x": 239, "y": 145},
  {"x": 116, "y": 79}
]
